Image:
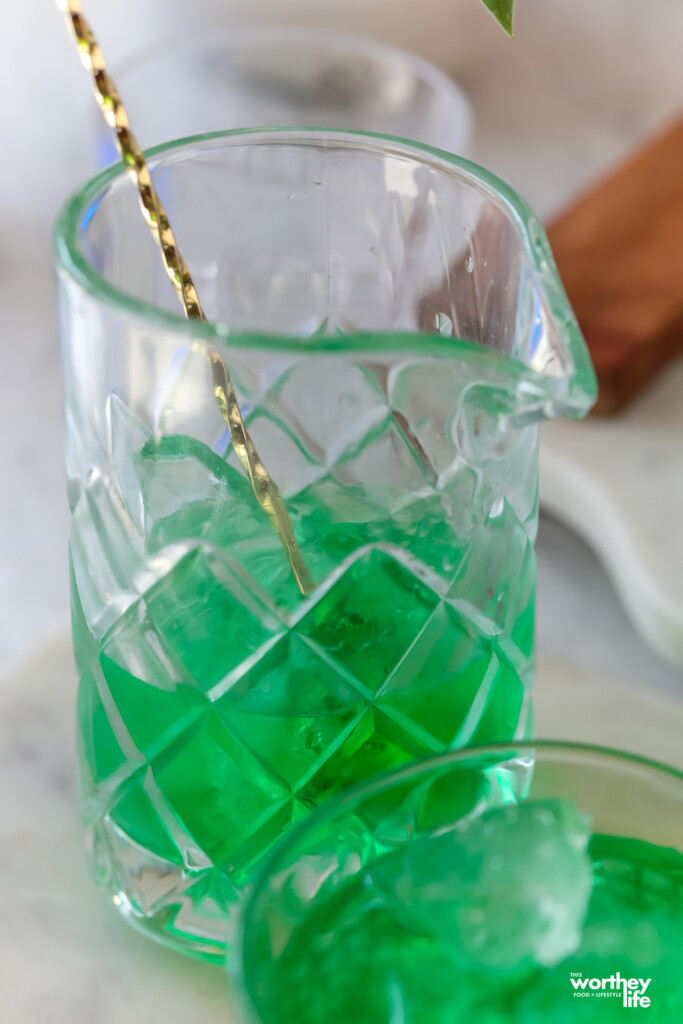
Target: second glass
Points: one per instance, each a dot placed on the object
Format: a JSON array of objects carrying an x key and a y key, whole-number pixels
[
  {"x": 280, "y": 75},
  {"x": 511, "y": 884},
  {"x": 395, "y": 328}
]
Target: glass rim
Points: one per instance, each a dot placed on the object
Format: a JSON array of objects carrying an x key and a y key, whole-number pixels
[
  {"x": 578, "y": 389},
  {"x": 386, "y": 780}
]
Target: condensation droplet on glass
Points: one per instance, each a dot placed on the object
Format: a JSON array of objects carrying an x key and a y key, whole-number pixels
[
  {"x": 469, "y": 264},
  {"x": 444, "y": 325},
  {"x": 484, "y": 261}
]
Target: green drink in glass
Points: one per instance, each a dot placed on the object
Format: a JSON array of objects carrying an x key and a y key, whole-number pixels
[
  {"x": 395, "y": 329},
  {"x": 536, "y": 884}
]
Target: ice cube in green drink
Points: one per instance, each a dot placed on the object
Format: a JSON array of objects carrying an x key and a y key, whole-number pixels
[
  {"x": 505, "y": 888},
  {"x": 489, "y": 922}
]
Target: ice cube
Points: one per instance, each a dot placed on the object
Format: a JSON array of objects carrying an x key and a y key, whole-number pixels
[
  {"x": 186, "y": 488},
  {"x": 192, "y": 494},
  {"x": 503, "y": 890}
]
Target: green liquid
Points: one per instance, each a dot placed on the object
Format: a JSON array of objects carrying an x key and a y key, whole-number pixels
[
  {"x": 220, "y": 706},
  {"x": 351, "y": 961}
]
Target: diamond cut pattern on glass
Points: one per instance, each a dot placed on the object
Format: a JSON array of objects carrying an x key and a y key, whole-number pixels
[
  {"x": 292, "y": 709},
  {"x": 437, "y": 683},
  {"x": 153, "y": 697},
  {"x": 496, "y": 583},
  {"x": 369, "y": 618},
  {"x": 135, "y": 815},
  {"x": 375, "y": 745},
  {"x": 107, "y": 551},
  {"x": 222, "y": 795},
  {"x": 213, "y": 891},
  {"x": 452, "y": 689},
  {"x": 329, "y": 419},
  {"x": 500, "y": 714},
  {"x": 209, "y": 621},
  {"x": 191, "y": 493},
  {"x": 384, "y": 465},
  {"x": 105, "y": 754},
  {"x": 142, "y": 879},
  {"x": 279, "y": 447}
]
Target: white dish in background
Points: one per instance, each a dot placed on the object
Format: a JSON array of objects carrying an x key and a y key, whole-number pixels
[
  {"x": 618, "y": 481},
  {"x": 254, "y": 76}
]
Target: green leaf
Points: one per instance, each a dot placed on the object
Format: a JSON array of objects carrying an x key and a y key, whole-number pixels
[{"x": 502, "y": 12}]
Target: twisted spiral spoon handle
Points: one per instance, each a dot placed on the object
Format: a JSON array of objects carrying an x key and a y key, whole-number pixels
[{"x": 265, "y": 489}]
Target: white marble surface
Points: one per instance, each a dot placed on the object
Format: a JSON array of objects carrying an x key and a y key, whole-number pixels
[{"x": 65, "y": 955}]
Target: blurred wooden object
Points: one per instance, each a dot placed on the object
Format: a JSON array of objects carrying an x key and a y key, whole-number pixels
[{"x": 619, "y": 251}]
